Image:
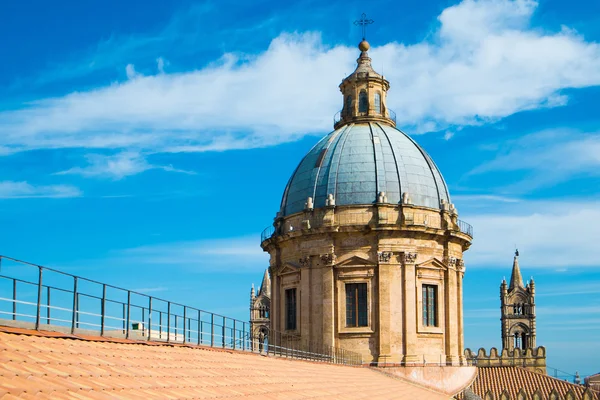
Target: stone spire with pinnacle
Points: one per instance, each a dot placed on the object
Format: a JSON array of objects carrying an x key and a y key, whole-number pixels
[
  {"x": 265, "y": 286},
  {"x": 516, "y": 280}
]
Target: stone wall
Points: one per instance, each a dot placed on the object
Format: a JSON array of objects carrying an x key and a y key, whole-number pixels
[{"x": 530, "y": 359}]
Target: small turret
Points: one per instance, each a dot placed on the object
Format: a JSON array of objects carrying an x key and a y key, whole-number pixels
[{"x": 365, "y": 94}]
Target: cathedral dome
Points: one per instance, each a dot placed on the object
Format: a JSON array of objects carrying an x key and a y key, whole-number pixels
[{"x": 358, "y": 161}]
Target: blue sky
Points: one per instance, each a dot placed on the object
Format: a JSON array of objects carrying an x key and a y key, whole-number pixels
[{"x": 147, "y": 144}]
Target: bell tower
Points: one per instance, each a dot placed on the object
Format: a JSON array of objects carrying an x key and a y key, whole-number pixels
[{"x": 518, "y": 311}]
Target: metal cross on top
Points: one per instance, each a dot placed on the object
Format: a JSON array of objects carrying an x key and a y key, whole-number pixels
[{"x": 363, "y": 22}]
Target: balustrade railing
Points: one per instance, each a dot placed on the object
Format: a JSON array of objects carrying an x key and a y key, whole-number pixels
[
  {"x": 465, "y": 228},
  {"x": 41, "y": 298},
  {"x": 316, "y": 221},
  {"x": 391, "y": 115}
]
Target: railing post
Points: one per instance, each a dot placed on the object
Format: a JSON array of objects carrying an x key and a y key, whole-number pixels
[
  {"x": 243, "y": 336},
  {"x": 234, "y": 334},
  {"x": 212, "y": 330},
  {"x": 176, "y": 327},
  {"x": 223, "y": 333},
  {"x": 150, "y": 318},
  {"x": 103, "y": 310},
  {"x": 39, "y": 300},
  {"x": 14, "y": 307},
  {"x": 199, "y": 326},
  {"x": 74, "y": 317},
  {"x": 48, "y": 305},
  {"x": 160, "y": 324},
  {"x": 123, "y": 315},
  {"x": 128, "y": 313},
  {"x": 168, "y": 321},
  {"x": 184, "y": 318}
]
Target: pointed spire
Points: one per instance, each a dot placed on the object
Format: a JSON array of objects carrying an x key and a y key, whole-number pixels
[
  {"x": 516, "y": 280},
  {"x": 265, "y": 286},
  {"x": 252, "y": 292}
]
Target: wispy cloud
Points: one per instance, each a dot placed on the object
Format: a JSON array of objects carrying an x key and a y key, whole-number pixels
[
  {"x": 548, "y": 234},
  {"x": 117, "y": 166},
  {"x": 237, "y": 254},
  {"x": 548, "y": 157},
  {"x": 485, "y": 61},
  {"x": 22, "y": 190},
  {"x": 150, "y": 289},
  {"x": 485, "y": 198}
]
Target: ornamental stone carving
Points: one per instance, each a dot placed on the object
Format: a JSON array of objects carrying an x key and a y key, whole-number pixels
[
  {"x": 455, "y": 262},
  {"x": 385, "y": 256},
  {"x": 328, "y": 258},
  {"x": 410, "y": 258},
  {"x": 304, "y": 261}
]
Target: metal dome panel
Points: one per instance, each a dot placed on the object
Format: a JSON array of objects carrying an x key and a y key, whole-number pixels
[{"x": 356, "y": 162}]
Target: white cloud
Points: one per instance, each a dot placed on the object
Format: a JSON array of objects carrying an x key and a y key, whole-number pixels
[
  {"x": 548, "y": 235},
  {"x": 237, "y": 254},
  {"x": 549, "y": 156},
  {"x": 22, "y": 190},
  {"x": 130, "y": 71},
  {"x": 117, "y": 166},
  {"x": 484, "y": 62},
  {"x": 484, "y": 198},
  {"x": 160, "y": 65}
]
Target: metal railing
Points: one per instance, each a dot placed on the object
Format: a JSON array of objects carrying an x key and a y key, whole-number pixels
[
  {"x": 267, "y": 233},
  {"x": 41, "y": 298},
  {"x": 465, "y": 228},
  {"x": 391, "y": 114},
  {"x": 411, "y": 219},
  {"x": 289, "y": 345}
]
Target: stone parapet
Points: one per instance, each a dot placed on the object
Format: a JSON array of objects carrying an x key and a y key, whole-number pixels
[{"x": 531, "y": 359}]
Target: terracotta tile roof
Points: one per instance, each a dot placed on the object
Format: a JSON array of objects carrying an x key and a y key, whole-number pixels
[
  {"x": 57, "y": 366},
  {"x": 512, "y": 379}
]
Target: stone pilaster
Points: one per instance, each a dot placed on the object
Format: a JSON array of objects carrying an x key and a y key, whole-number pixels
[{"x": 410, "y": 309}]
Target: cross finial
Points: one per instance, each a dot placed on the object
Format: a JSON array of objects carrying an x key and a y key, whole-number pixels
[
  {"x": 363, "y": 22},
  {"x": 516, "y": 252}
]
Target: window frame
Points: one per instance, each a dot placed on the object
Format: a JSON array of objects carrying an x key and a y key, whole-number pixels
[
  {"x": 429, "y": 279},
  {"x": 377, "y": 102},
  {"x": 363, "y": 101},
  {"x": 357, "y": 315},
  {"x": 291, "y": 324},
  {"x": 430, "y": 305}
]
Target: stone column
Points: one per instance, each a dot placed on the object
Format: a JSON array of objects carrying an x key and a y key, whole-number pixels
[
  {"x": 384, "y": 303},
  {"x": 276, "y": 307},
  {"x": 451, "y": 329},
  {"x": 410, "y": 309},
  {"x": 328, "y": 307},
  {"x": 461, "y": 331},
  {"x": 305, "y": 299}
]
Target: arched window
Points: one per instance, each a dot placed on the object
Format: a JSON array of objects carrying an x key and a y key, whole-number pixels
[
  {"x": 348, "y": 107},
  {"x": 363, "y": 102},
  {"x": 377, "y": 101}
]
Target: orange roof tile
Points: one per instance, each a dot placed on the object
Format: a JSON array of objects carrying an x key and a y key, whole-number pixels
[
  {"x": 512, "y": 379},
  {"x": 41, "y": 365}
]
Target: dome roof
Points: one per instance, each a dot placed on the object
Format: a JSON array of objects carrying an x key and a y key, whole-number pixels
[{"x": 358, "y": 161}]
